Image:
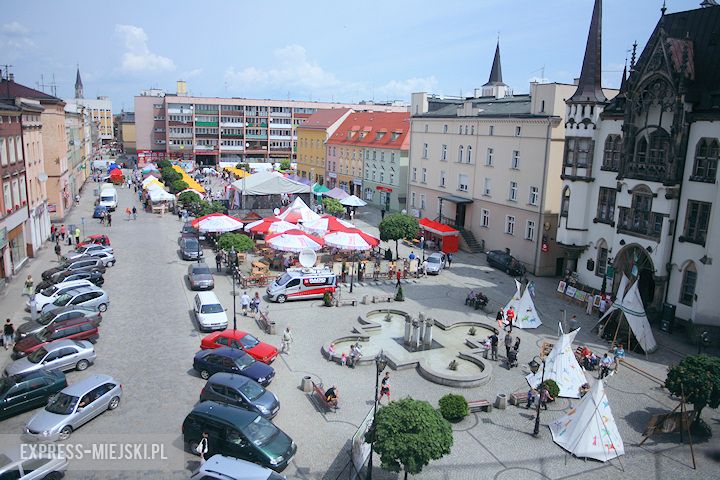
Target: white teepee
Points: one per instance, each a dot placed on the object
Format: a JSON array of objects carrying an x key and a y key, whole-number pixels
[
  {"x": 589, "y": 430},
  {"x": 562, "y": 366},
  {"x": 526, "y": 316},
  {"x": 632, "y": 310},
  {"x": 515, "y": 298}
]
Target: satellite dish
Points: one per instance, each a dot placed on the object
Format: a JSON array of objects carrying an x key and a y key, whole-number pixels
[
  {"x": 307, "y": 258},
  {"x": 276, "y": 211}
]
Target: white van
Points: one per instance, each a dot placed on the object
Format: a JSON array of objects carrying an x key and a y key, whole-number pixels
[
  {"x": 299, "y": 283},
  {"x": 108, "y": 197},
  {"x": 209, "y": 312}
]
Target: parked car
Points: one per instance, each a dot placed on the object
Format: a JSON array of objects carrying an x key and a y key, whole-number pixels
[
  {"x": 91, "y": 297},
  {"x": 73, "y": 407},
  {"x": 51, "y": 293},
  {"x": 210, "y": 314},
  {"x": 57, "y": 315},
  {"x": 219, "y": 467},
  {"x": 88, "y": 249},
  {"x": 108, "y": 258},
  {"x": 99, "y": 211},
  {"x": 232, "y": 360},
  {"x": 80, "y": 328},
  {"x": 241, "y": 392},
  {"x": 36, "y": 466},
  {"x": 200, "y": 276},
  {"x": 20, "y": 393},
  {"x": 84, "y": 264},
  {"x": 188, "y": 230},
  {"x": 260, "y": 351},
  {"x": 61, "y": 355},
  {"x": 98, "y": 239},
  {"x": 190, "y": 248},
  {"x": 236, "y": 432},
  {"x": 505, "y": 262},
  {"x": 436, "y": 262},
  {"x": 93, "y": 276}
]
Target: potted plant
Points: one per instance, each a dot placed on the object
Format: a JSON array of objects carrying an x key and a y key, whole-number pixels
[
  {"x": 328, "y": 299},
  {"x": 453, "y": 407}
]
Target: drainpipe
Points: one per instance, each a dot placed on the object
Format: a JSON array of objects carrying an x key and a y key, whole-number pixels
[{"x": 541, "y": 227}]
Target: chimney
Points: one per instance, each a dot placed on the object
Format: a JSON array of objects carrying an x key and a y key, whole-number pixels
[
  {"x": 576, "y": 81},
  {"x": 181, "y": 88},
  {"x": 477, "y": 93},
  {"x": 11, "y": 77}
]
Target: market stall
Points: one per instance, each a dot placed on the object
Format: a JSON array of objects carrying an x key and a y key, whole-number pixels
[{"x": 443, "y": 235}]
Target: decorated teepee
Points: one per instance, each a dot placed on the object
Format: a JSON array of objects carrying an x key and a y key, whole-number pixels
[
  {"x": 526, "y": 316},
  {"x": 589, "y": 430},
  {"x": 562, "y": 367},
  {"x": 632, "y": 310},
  {"x": 515, "y": 300}
]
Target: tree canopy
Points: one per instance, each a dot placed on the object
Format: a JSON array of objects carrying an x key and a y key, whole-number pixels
[
  {"x": 189, "y": 197},
  {"x": 332, "y": 206},
  {"x": 397, "y": 226},
  {"x": 698, "y": 378},
  {"x": 178, "y": 186},
  {"x": 169, "y": 175},
  {"x": 409, "y": 434},
  {"x": 163, "y": 164},
  {"x": 240, "y": 241}
]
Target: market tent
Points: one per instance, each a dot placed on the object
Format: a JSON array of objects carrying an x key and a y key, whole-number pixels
[
  {"x": 294, "y": 241},
  {"x": 589, "y": 429},
  {"x": 515, "y": 300},
  {"x": 269, "y": 225},
  {"x": 149, "y": 180},
  {"x": 336, "y": 193},
  {"x": 632, "y": 310},
  {"x": 562, "y": 366},
  {"x": 327, "y": 223},
  {"x": 526, "y": 315},
  {"x": 298, "y": 211},
  {"x": 188, "y": 179},
  {"x": 150, "y": 167},
  {"x": 319, "y": 189},
  {"x": 269, "y": 183},
  {"x": 159, "y": 195},
  {"x": 449, "y": 237},
  {"x": 353, "y": 201},
  {"x": 217, "y": 223},
  {"x": 351, "y": 239}
]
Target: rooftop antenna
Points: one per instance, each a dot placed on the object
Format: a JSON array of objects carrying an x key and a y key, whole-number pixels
[
  {"x": 53, "y": 86},
  {"x": 6, "y": 69}
]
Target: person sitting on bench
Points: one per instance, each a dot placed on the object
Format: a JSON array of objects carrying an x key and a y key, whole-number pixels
[{"x": 331, "y": 395}]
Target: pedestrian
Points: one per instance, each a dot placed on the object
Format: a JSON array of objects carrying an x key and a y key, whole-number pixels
[
  {"x": 510, "y": 316},
  {"x": 218, "y": 261},
  {"x": 103, "y": 217},
  {"x": 449, "y": 259},
  {"x": 531, "y": 288},
  {"x": 134, "y": 213},
  {"x": 602, "y": 307},
  {"x": 398, "y": 274},
  {"x": 57, "y": 249},
  {"x": 8, "y": 334},
  {"x": 573, "y": 323},
  {"x": 508, "y": 344},
  {"x": 590, "y": 300},
  {"x": 619, "y": 356},
  {"x": 62, "y": 232},
  {"x": 411, "y": 257},
  {"x": 545, "y": 396},
  {"x": 516, "y": 347},
  {"x": 494, "y": 340},
  {"x": 109, "y": 220},
  {"x": 531, "y": 396},
  {"x": 500, "y": 317},
  {"x": 382, "y": 214},
  {"x": 77, "y": 235},
  {"x": 385, "y": 388},
  {"x": 77, "y": 199},
  {"x": 179, "y": 213},
  {"x": 424, "y": 268},
  {"x": 287, "y": 339},
  {"x": 605, "y": 366},
  {"x": 28, "y": 286},
  {"x": 53, "y": 231},
  {"x": 202, "y": 447},
  {"x": 255, "y": 303}
]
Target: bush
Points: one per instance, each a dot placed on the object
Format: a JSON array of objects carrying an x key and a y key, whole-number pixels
[
  {"x": 454, "y": 407},
  {"x": 239, "y": 241},
  {"x": 188, "y": 198},
  {"x": 178, "y": 186},
  {"x": 399, "y": 297},
  {"x": 332, "y": 206},
  {"x": 285, "y": 165},
  {"x": 552, "y": 387},
  {"x": 243, "y": 166},
  {"x": 169, "y": 175}
]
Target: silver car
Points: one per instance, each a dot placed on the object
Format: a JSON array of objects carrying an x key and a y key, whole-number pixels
[
  {"x": 435, "y": 263},
  {"x": 87, "y": 296},
  {"x": 73, "y": 407},
  {"x": 91, "y": 249},
  {"x": 61, "y": 355},
  {"x": 200, "y": 277},
  {"x": 18, "y": 466},
  {"x": 108, "y": 258}
]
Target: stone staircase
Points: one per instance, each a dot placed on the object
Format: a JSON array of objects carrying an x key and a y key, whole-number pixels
[{"x": 471, "y": 243}]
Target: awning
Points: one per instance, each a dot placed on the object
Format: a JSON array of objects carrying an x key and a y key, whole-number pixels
[
  {"x": 456, "y": 199},
  {"x": 438, "y": 228}
]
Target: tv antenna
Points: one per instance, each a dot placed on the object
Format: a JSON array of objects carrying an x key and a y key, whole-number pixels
[{"x": 6, "y": 70}]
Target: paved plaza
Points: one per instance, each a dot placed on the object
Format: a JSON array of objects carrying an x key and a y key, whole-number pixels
[{"x": 148, "y": 339}]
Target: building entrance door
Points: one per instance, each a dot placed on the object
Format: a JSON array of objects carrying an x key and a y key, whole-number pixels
[{"x": 460, "y": 210}]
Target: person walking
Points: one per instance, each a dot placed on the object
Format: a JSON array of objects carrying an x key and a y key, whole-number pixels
[
  {"x": 255, "y": 304},
  {"x": 8, "y": 333},
  {"x": 544, "y": 396},
  {"x": 202, "y": 447},
  {"x": 500, "y": 317},
  {"x": 508, "y": 344},
  {"x": 134, "y": 213},
  {"x": 62, "y": 232},
  {"x": 109, "y": 220},
  {"x": 494, "y": 340},
  {"x": 218, "y": 261},
  {"x": 77, "y": 235},
  {"x": 58, "y": 249},
  {"x": 510, "y": 316},
  {"x": 77, "y": 200},
  {"x": 53, "y": 233},
  {"x": 424, "y": 268},
  {"x": 245, "y": 303},
  {"x": 382, "y": 214},
  {"x": 28, "y": 290},
  {"x": 398, "y": 274},
  {"x": 516, "y": 347},
  {"x": 531, "y": 397},
  {"x": 287, "y": 340},
  {"x": 385, "y": 388},
  {"x": 573, "y": 323},
  {"x": 449, "y": 259}
]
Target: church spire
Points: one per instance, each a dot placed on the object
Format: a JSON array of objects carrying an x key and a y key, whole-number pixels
[
  {"x": 589, "y": 88},
  {"x": 496, "y": 70},
  {"x": 78, "y": 85}
]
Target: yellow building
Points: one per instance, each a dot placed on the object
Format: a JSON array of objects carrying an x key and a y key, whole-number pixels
[
  {"x": 128, "y": 137},
  {"x": 312, "y": 136}
]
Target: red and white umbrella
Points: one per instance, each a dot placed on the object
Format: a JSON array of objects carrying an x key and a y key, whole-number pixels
[
  {"x": 294, "y": 241},
  {"x": 217, "y": 223},
  {"x": 351, "y": 239},
  {"x": 327, "y": 223},
  {"x": 269, "y": 225}
]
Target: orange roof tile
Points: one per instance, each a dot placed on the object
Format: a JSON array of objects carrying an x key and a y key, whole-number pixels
[
  {"x": 372, "y": 123},
  {"x": 323, "y": 119}
]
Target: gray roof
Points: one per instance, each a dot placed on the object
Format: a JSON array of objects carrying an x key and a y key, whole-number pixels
[{"x": 515, "y": 106}]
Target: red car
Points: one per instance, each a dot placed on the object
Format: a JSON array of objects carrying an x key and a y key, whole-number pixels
[
  {"x": 103, "y": 240},
  {"x": 80, "y": 328},
  {"x": 260, "y": 351}
]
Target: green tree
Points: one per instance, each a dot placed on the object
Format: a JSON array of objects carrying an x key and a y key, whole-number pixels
[
  {"x": 206, "y": 208},
  {"x": 243, "y": 166},
  {"x": 163, "y": 164},
  {"x": 178, "y": 186},
  {"x": 398, "y": 226},
  {"x": 697, "y": 377},
  {"x": 408, "y": 434},
  {"x": 188, "y": 198},
  {"x": 332, "y": 206},
  {"x": 240, "y": 241},
  {"x": 285, "y": 165},
  {"x": 169, "y": 175}
]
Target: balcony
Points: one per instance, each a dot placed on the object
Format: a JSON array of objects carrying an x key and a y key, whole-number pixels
[
  {"x": 206, "y": 124},
  {"x": 232, "y": 124},
  {"x": 231, "y": 148},
  {"x": 280, "y": 126},
  {"x": 280, "y": 137},
  {"x": 280, "y": 114},
  {"x": 232, "y": 135},
  {"x": 235, "y": 113},
  {"x": 646, "y": 171},
  {"x": 256, "y": 137},
  {"x": 205, "y": 112},
  {"x": 640, "y": 223},
  {"x": 180, "y": 135}
]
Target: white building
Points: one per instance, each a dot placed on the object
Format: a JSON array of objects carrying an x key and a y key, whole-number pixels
[{"x": 100, "y": 110}]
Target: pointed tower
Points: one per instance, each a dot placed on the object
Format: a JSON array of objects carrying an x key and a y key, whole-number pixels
[
  {"x": 78, "y": 85},
  {"x": 495, "y": 86},
  {"x": 590, "y": 86}
]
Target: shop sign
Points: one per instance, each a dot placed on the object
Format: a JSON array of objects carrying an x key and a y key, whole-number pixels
[{"x": 383, "y": 189}]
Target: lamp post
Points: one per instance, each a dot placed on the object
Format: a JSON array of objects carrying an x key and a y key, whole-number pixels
[
  {"x": 534, "y": 367},
  {"x": 352, "y": 270},
  {"x": 233, "y": 256},
  {"x": 380, "y": 364},
  {"x": 198, "y": 241},
  {"x": 422, "y": 246}
]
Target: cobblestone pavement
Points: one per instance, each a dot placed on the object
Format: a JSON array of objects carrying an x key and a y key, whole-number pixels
[{"x": 148, "y": 338}]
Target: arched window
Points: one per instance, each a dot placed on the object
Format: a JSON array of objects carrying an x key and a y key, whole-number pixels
[
  {"x": 641, "y": 148},
  {"x": 565, "y": 202},
  {"x": 460, "y": 154},
  {"x": 706, "y": 160},
  {"x": 659, "y": 146},
  {"x": 687, "y": 289},
  {"x": 611, "y": 156},
  {"x": 602, "y": 258},
  {"x": 469, "y": 154}
]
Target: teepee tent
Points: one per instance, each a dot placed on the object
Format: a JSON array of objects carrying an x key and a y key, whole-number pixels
[
  {"x": 589, "y": 430},
  {"x": 526, "y": 316},
  {"x": 515, "y": 298},
  {"x": 631, "y": 309},
  {"x": 562, "y": 366}
]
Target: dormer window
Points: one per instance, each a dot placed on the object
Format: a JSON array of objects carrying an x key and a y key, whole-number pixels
[
  {"x": 395, "y": 136},
  {"x": 379, "y": 135}
]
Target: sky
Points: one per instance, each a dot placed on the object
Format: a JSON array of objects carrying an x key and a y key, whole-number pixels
[{"x": 313, "y": 49}]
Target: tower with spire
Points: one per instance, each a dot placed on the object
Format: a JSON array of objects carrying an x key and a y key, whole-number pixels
[
  {"x": 78, "y": 85},
  {"x": 495, "y": 86}
]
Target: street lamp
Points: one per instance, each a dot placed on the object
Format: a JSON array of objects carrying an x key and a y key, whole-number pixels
[
  {"x": 380, "y": 364},
  {"x": 534, "y": 367},
  {"x": 233, "y": 256},
  {"x": 422, "y": 246},
  {"x": 353, "y": 256}
]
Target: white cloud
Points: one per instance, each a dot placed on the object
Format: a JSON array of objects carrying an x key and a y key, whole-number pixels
[
  {"x": 138, "y": 58},
  {"x": 401, "y": 89},
  {"x": 15, "y": 39},
  {"x": 14, "y": 28},
  {"x": 191, "y": 73}
]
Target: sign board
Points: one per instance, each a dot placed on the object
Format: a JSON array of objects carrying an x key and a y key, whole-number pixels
[
  {"x": 383, "y": 189},
  {"x": 570, "y": 291},
  {"x": 561, "y": 287}
]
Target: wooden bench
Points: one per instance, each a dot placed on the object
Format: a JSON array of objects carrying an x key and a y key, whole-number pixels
[
  {"x": 319, "y": 393},
  {"x": 265, "y": 323},
  {"x": 518, "y": 398},
  {"x": 383, "y": 298},
  {"x": 480, "y": 406}
]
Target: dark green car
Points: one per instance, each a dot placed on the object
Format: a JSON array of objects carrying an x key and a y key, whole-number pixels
[
  {"x": 19, "y": 393},
  {"x": 239, "y": 433}
]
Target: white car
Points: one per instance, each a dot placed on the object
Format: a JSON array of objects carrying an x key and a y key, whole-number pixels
[
  {"x": 210, "y": 314},
  {"x": 91, "y": 249},
  {"x": 51, "y": 293},
  {"x": 107, "y": 258}
]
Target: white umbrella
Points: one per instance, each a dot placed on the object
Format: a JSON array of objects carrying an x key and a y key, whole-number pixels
[
  {"x": 353, "y": 201},
  {"x": 351, "y": 240},
  {"x": 217, "y": 223},
  {"x": 327, "y": 223},
  {"x": 294, "y": 241},
  {"x": 269, "y": 225}
]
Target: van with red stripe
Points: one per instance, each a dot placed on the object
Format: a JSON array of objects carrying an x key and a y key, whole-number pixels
[{"x": 301, "y": 283}]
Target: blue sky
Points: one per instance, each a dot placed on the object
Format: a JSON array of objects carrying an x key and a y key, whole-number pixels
[{"x": 320, "y": 50}]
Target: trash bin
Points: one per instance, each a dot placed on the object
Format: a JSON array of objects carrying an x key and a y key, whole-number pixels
[
  {"x": 501, "y": 401},
  {"x": 667, "y": 320},
  {"x": 306, "y": 384}
]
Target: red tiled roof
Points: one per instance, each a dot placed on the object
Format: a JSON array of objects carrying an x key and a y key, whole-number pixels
[
  {"x": 323, "y": 119},
  {"x": 10, "y": 89},
  {"x": 371, "y": 123}
]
